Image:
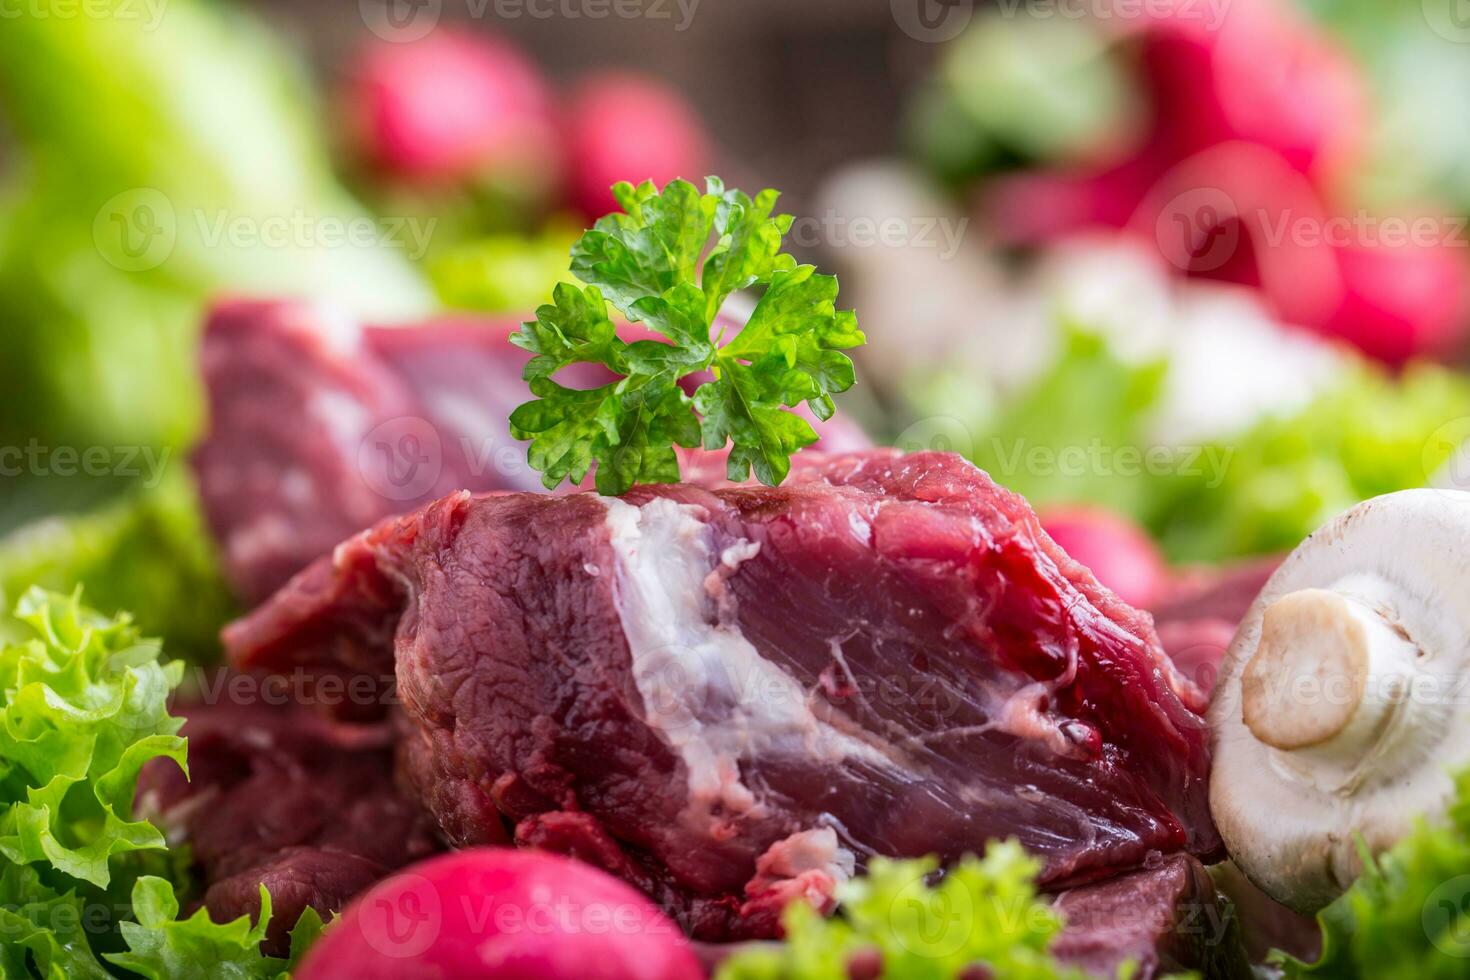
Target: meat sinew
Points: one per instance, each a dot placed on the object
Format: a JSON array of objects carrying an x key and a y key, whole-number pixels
[
  {"x": 320, "y": 427},
  {"x": 733, "y": 697},
  {"x": 281, "y": 797}
]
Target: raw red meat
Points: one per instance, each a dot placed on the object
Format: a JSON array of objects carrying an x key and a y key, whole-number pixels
[
  {"x": 281, "y": 797},
  {"x": 320, "y": 427},
  {"x": 731, "y": 698},
  {"x": 1163, "y": 920}
]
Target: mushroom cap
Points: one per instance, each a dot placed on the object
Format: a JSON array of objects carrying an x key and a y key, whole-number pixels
[{"x": 1343, "y": 703}]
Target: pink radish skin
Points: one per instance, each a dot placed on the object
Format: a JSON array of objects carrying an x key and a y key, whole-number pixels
[
  {"x": 451, "y": 107},
  {"x": 502, "y": 914},
  {"x": 625, "y": 127},
  {"x": 1119, "y": 553}
]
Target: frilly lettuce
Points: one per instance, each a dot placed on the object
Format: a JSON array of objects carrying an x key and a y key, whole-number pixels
[
  {"x": 147, "y": 553},
  {"x": 83, "y": 707},
  {"x": 1408, "y": 915},
  {"x": 1088, "y": 421},
  {"x": 1368, "y": 435},
  {"x": 985, "y": 911}
]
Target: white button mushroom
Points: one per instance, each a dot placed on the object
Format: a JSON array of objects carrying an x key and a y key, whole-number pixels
[{"x": 1341, "y": 705}]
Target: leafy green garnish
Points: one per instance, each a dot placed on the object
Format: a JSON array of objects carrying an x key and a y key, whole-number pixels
[
  {"x": 148, "y": 553},
  {"x": 654, "y": 264},
  {"x": 1408, "y": 914},
  {"x": 83, "y": 706},
  {"x": 165, "y": 947},
  {"x": 985, "y": 911}
]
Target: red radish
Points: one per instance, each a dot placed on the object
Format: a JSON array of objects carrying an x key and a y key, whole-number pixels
[
  {"x": 451, "y": 107},
  {"x": 502, "y": 914},
  {"x": 1403, "y": 300},
  {"x": 1261, "y": 73},
  {"x": 626, "y": 127},
  {"x": 1120, "y": 554}
]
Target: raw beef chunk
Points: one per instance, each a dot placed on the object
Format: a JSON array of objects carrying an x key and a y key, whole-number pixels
[
  {"x": 1164, "y": 920},
  {"x": 732, "y": 697},
  {"x": 320, "y": 427},
  {"x": 281, "y": 797}
]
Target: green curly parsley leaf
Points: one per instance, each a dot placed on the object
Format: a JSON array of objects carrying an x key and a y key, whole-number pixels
[
  {"x": 984, "y": 913},
  {"x": 1408, "y": 914},
  {"x": 669, "y": 260}
]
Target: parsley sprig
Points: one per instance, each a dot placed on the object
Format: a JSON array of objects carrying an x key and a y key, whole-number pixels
[{"x": 654, "y": 264}]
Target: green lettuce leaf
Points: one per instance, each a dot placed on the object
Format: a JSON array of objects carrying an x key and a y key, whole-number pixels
[
  {"x": 1408, "y": 915},
  {"x": 501, "y": 273},
  {"x": 1370, "y": 434},
  {"x": 136, "y": 203},
  {"x": 164, "y": 947},
  {"x": 148, "y": 553},
  {"x": 83, "y": 707},
  {"x": 1082, "y": 433},
  {"x": 985, "y": 911}
]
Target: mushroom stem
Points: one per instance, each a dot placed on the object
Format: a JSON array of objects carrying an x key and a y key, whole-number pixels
[{"x": 1327, "y": 675}]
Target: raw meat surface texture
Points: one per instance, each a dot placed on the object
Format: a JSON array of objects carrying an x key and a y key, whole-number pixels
[{"x": 734, "y": 697}]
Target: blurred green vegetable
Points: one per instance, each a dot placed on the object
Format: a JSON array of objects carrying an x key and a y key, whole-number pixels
[
  {"x": 1368, "y": 435},
  {"x": 508, "y": 274},
  {"x": 1408, "y": 915},
  {"x": 1016, "y": 90},
  {"x": 1081, "y": 433},
  {"x": 147, "y": 553},
  {"x": 83, "y": 707},
  {"x": 166, "y": 152},
  {"x": 1060, "y": 440},
  {"x": 985, "y": 911}
]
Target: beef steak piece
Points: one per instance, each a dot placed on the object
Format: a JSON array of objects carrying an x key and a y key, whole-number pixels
[
  {"x": 1164, "y": 920},
  {"x": 320, "y": 427},
  {"x": 733, "y": 697},
  {"x": 280, "y": 796}
]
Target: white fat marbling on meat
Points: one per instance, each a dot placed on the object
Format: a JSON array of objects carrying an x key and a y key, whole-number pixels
[
  {"x": 706, "y": 690},
  {"x": 345, "y": 419},
  {"x": 808, "y": 865}
]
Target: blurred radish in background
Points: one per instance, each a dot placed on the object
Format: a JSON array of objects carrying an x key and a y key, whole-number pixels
[
  {"x": 1119, "y": 552},
  {"x": 455, "y": 107},
  {"x": 622, "y": 126}
]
